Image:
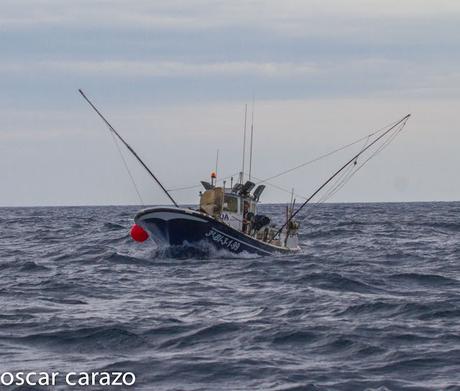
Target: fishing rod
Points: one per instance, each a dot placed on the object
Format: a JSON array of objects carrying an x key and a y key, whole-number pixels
[
  {"x": 129, "y": 147},
  {"x": 353, "y": 159}
]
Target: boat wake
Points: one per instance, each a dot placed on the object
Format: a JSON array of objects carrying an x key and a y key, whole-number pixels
[{"x": 199, "y": 250}]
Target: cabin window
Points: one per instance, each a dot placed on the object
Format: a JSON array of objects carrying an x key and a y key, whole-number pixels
[
  {"x": 248, "y": 206},
  {"x": 230, "y": 204}
]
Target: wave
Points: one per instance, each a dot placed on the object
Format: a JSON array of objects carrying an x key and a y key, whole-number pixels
[
  {"x": 110, "y": 226},
  {"x": 31, "y": 266},
  {"x": 370, "y": 303},
  {"x": 24, "y": 267},
  {"x": 328, "y": 233},
  {"x": 206, "y": 334},
  {"x": 370, "y": 308},
  {"x": 337, "y": 282},
  {"x": 125, "y": 259},
  {"x": 87, "y": 339},
  {"x": 294, "y": 337},
  {"x": 424, "y": 279}
]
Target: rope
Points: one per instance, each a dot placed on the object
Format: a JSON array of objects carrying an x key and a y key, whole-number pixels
[
  {"x": 127, "y": 169},
  {"x": 367, "y": 137},
  {"x": 279, "y": 188},
  {"x": 197, "y": 186},
  {"x": 353, "y": 169},
  {"x": 338, "y": 182}
]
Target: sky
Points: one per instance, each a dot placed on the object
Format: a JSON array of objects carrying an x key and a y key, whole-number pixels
[{"x": 173, "y": 77}]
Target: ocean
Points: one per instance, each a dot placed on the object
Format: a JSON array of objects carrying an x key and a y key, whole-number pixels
[{"x": 372, "y": 302}]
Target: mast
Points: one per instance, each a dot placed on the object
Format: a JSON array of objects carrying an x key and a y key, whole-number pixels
[
  {"x": 111, "y": 128},
  {"x": 252, "y": 138},
  {"x": 244, "y": 143},
  {"x": 217, "y": 162},
  {"x": 352, "y": 160}
]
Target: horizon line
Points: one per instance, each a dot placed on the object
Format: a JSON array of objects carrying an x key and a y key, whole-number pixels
[{"x": 190, "y": 204}]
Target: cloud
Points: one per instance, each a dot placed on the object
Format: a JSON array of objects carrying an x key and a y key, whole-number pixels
[
  {"x": 136, "y": 69},
  {"x": 135, "y": 57},
  {"x": 372, "y": 76},
  {"x": 213, "y": 13}
]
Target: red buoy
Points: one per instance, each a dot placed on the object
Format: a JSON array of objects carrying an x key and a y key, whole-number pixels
[{"x": 138, "y": 233}]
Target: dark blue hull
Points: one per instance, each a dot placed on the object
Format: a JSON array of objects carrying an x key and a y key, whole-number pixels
[{"x": 177, "y": 227}]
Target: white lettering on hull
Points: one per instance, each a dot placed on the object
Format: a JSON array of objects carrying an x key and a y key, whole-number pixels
[{"x": 224, "y": 240}]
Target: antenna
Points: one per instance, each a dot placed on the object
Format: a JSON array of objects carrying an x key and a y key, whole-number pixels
[
  {"x": 217, "y": 162},
  {"x": 252, "y": 137},
  {"x": 244, "y": 142}
]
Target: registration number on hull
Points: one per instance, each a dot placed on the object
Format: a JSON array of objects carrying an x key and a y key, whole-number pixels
[{"x": 223, "y": 240}]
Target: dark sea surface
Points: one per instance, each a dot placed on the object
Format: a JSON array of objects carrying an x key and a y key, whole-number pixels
[{"x": 371, "y": 303}]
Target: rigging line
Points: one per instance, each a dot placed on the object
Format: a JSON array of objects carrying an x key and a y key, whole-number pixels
[
  {"x": 128, "y": 170},
  {"x": 329, "y": 194},
  {"x": 342, "y": 179},
  {"x": 258, "y": 179},
  {"x": 340, "y": 184},
  {"x": 112, "y": 129},
  {"x": 280, "y": 188},
  {"x": 197, "y": 186},
  {"x": 184, "y": 188},
  {"x": 337, "y": 186},
  {"x": 266, "y": 180},
  {"x": 378, "y": 150},
  {"x": 354, "y": 169},
  {"x": 382, "y": 147},
  {"x": 228, "y": 177},
  {"x": 401, "y": 121},
  {"x": 368, "y": 136}
]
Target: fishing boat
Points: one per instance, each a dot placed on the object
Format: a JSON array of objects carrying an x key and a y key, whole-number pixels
[{"x": 228, "y": 218}]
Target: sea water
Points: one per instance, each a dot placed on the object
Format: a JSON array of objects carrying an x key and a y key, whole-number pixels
[{"x": 372, "y": 302}]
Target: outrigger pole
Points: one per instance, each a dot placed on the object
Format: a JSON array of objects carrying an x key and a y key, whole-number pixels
[
  {"x": 353, "y": 159},
  {"x": 129, "y": 148}
]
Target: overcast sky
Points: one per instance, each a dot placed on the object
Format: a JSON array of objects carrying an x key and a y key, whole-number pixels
[{"x": 174, "y": 76}]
